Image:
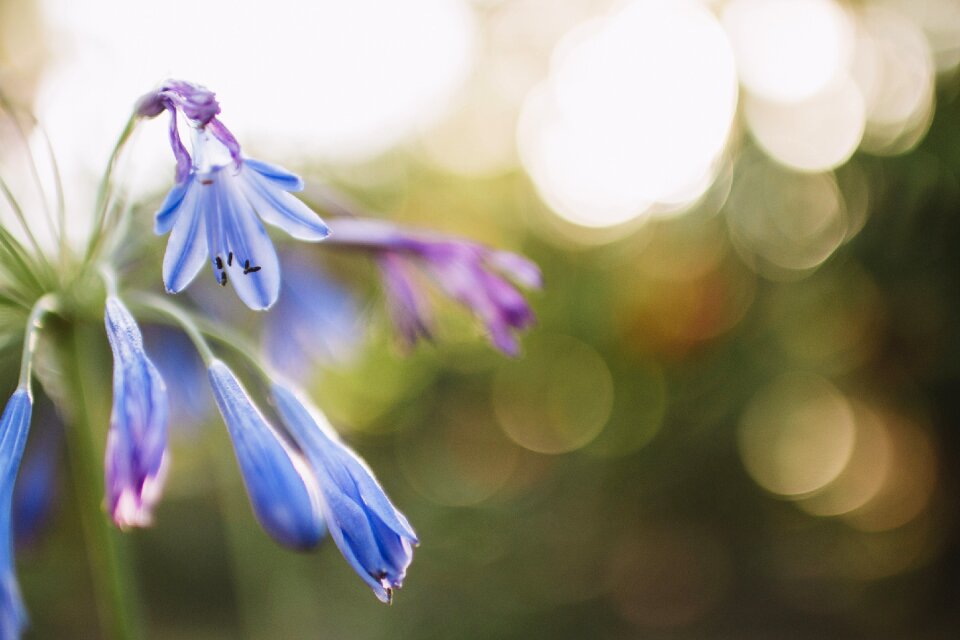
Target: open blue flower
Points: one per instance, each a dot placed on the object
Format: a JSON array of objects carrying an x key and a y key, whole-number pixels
[
  {"x": 14, "y": 427},
  {"x": 214, "y": 209},
  {"x": 281, "y": 490},
  {"x": 373, "y": 536},
  {"x": 136, "y": 455}
]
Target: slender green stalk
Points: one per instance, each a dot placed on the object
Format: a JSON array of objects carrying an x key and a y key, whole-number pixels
[
  {"x": 31, "y": 335},
  {"x": 104, "y": 193},
  {"x": 197, "y": 327},
  {"x": 114, "y": 584},
  {"x": 18, "y": 213},
  {"x": 34, "y": 169},
  {"x": 157, "y": 305}
]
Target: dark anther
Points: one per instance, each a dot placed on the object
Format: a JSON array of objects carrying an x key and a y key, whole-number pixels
[
  {"x": 223, "y": 279},
  {"x": 246, "y": 264},
  {"x": 251, "y": 270},
  {"x": 230, "y": 259},
  {"x": 219, "y": 263},
  {"x": 206, "y": 182}
]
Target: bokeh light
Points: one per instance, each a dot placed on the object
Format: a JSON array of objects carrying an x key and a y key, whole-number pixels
[
  {"x": 865, "y": 472},
  {"x": 895, "y": 71},
  {"x": 797, "y": 435},
  {"x": 784, "y": 223},
  {"x": 788, "y": 50},
  {"x": 556, "y": 399},
  {"x": 637, "y": 109},
  {"x": 817, "y": 133}
]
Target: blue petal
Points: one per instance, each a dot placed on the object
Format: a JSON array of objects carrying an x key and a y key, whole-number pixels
[
  {"x": 14, "y": 427},
  {"x": 186, "y": 250},
  {"x": 373, "y": 536},
  {"x": 167, "y": 215},
  {"x": 278, "y": 492},
  {"x": 278, "y": 175},
  {"x": 279, "y": 208},
  {"x": 255, "y": 270}
]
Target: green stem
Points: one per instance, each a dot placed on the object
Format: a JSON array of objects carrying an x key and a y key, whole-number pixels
[
  {"x": 104, "y": 193},
  {"x": 31, "y": 336},
  {"x": 114, "y": 584}
]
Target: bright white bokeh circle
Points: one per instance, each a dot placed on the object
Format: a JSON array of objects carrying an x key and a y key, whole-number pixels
[
  {"x": 788, "y": 50},
  {"x": 637, "y": 109}
]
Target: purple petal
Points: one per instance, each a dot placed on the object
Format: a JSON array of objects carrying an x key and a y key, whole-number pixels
[
  {"x": 137, "y": 441},
  {"x": 517, "y": 268}
]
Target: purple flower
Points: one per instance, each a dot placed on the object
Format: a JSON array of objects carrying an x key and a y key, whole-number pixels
[
  {"x": 14, "y": 427},
  {"x": 184, "y": 373},
  {"x": 214, "y": 209},
  {"x": 373, "y": 536},
  {"x": 476, "y": 276},
  {"x": 282, "y": 492},
  {"x": 316, "y": 321},
  {"x": 137, "y": 442},
  {"x": 35, "y": 492}
]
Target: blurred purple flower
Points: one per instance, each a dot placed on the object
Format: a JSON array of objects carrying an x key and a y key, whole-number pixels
[
  {"x": 282, "y": 492},
  {"x": 14, "y": 427},
  {"x": 35, "y": 491},
  {"x": 136, "y": 454},
  {"x": 183, "y": 372},
  {"x": 474, "y": 275},
  {"x": 374, "y": 537},
  {"x": 212, "y": 210},
  {"x": 316, "y": 321}
]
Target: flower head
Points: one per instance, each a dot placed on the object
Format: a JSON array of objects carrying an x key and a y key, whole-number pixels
[
  {"x": 373, "y": 536},
  {"x": 474, "y": 275},
  {"x": 14, "y": 426},
  {"x": 137, "y": 442},
  {"x": 281, "y": 490},
  {"x": 214, "y": 209}
]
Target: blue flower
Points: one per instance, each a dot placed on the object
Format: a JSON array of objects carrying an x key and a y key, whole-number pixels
[
  {"x": 316, "y": 321},
  {"x": 135, "y": 462},
  {"x": 212, "y": 210},
  {"x": 14, "y": 427},
  {"x": 281, "y": 490},
  {"x": 373, "y": 536}
]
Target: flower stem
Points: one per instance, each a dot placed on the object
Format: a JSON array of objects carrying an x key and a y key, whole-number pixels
[{"x": 113, "y": 581}]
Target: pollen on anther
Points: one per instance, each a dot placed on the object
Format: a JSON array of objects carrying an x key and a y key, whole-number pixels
[{"x": 223, "y": 279}]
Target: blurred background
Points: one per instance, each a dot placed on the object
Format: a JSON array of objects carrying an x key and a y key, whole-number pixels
[{"x": 737, "y": 416}]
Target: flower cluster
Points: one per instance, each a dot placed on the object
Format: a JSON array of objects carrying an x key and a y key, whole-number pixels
[{"x": 301, "y": 479}]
